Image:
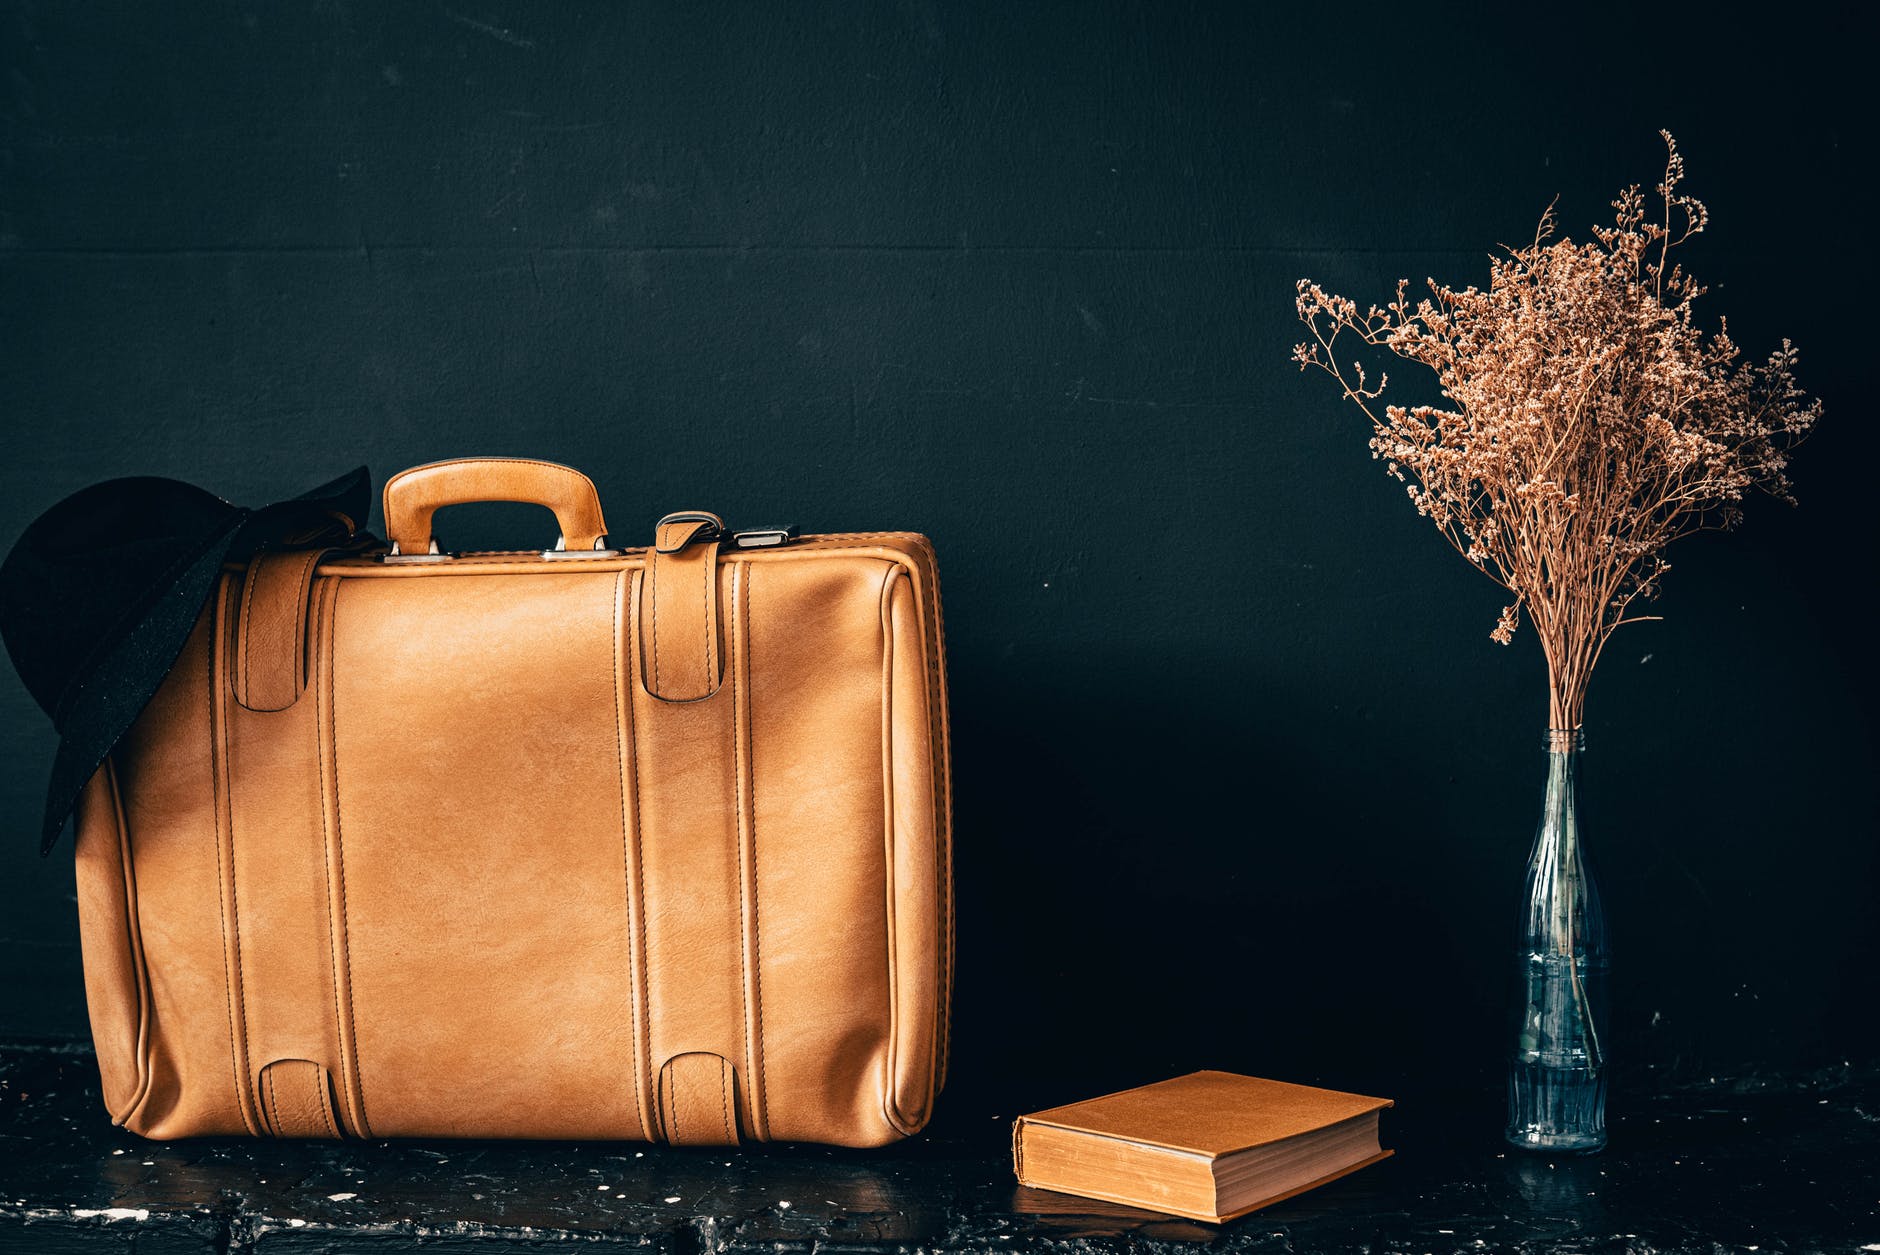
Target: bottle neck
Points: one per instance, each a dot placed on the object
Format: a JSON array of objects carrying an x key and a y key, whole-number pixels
[
  {"x": 1565, "y": 740},
  {"x": 1564, "y": 749}
]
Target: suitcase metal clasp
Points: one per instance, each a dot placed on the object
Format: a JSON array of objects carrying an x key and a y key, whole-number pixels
[{"x": 763, "y": 537}]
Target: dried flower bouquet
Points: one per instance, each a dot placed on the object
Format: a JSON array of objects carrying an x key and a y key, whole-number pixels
[{"x": 1588, "y": 421}]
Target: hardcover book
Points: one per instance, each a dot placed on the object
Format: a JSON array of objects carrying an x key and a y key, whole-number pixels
[{"x": 1209, "y": 1146}]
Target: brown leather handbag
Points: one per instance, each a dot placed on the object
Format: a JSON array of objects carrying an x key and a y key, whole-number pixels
[{"x": 648, "y": 844}]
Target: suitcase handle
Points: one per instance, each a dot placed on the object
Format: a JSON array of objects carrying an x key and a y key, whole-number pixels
[{"x": 412, "y": 497}]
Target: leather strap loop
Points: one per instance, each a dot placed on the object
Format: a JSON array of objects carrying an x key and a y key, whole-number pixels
[
  {"x": 297, "y": 1100},
  {"x": 270, "y": 659},
  {"x": 412, "y": 497},
  {"x": 698, "y": 1100},
  {"x": 684, "y": 661},
  {"x": 676, "y": 531}
]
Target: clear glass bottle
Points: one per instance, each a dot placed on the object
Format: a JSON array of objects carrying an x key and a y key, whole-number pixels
[{"x": 1557, "y": 1072}]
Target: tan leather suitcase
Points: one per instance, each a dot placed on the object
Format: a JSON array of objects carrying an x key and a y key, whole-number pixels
[{"x": 580, "y": 843}]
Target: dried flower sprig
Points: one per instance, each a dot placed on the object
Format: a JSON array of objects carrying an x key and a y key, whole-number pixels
[{"x": 1589, "y": 421}]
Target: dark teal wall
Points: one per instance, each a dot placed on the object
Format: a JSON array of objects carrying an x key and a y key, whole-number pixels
[{"x": 1241, "y": 780}]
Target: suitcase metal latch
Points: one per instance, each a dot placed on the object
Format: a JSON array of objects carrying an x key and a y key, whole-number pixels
[{"x": 763, "y": 537}]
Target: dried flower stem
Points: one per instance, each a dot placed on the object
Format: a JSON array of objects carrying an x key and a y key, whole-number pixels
[{"x": 1589, "y": 421}]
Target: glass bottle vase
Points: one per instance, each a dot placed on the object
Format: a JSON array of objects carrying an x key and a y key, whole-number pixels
[{"x": 1557, "y": 1071}]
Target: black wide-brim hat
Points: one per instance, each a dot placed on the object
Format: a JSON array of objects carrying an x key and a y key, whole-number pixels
[{"x": 100, "y": 595}]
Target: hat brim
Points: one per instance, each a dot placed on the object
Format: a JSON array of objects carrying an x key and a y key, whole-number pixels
[
  {"x": 108, "y": 699},
  {"x": 103, "y": 703}
]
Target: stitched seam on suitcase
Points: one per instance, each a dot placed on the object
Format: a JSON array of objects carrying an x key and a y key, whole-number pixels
[
  {"x": 215, "y": 801},
  {"x": 891, "y": 1107},
  {"x": 303, "y": 581},
  {"x": 742, "y": 617},
  {"x": 710, "y": 565},
  {"x": 245, "y": 620},
  {"x": 724, "y": 1102},
  {"x": 345, "y": 924},
  {"x": 652, "y": 582},
  {"x": 941, "y": 750},
  {"x": 225, "y": 863},
  {"x": 339, "y": 937},
  {"x": 739, "y": 830},
  {"x": 246, "y": 1091},
  {"x": 133, "y": 928},
  {"x": 626, "y": 854},
  {"x": 925, "y": 571},
  {"x": 943, "y": 810},
  {"x": 835, "y": 542},
  {"x": 639, "y": 854},
  {"x": 327, "y": 802},
  {"x": 325, "y": 1093}
]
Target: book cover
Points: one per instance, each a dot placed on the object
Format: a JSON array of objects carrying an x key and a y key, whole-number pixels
[{"x": 1209, "y": 1146}]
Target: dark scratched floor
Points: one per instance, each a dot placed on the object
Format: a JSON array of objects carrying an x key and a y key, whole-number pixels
[{"x": 1768, "y": 1165}]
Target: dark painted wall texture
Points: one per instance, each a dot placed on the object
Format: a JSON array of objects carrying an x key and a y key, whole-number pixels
[{"x": 1242, "y": 781}]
